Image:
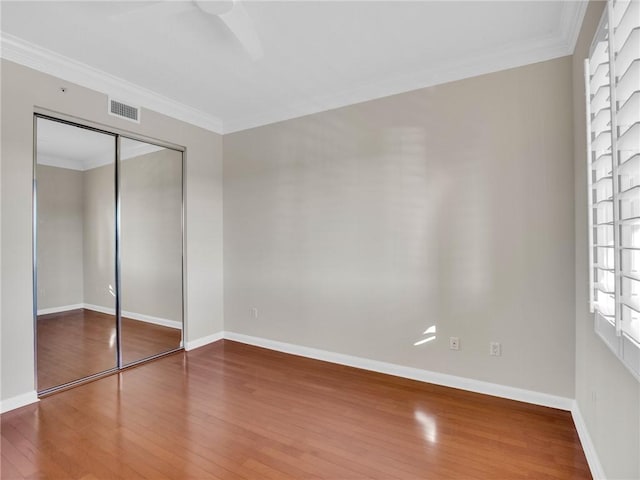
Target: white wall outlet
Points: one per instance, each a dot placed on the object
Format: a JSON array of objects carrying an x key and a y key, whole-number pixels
[
  {"x": 454, "y": 343},
  {"x": 254, "y": 312},
  {"x": 495, "y": 349}
]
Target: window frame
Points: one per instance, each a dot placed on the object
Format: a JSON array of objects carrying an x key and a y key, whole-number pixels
[{"x": 613, "y": 263}]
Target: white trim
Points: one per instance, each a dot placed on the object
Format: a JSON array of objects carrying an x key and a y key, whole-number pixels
[
  {"x": 538, "y": 50},
  {"x": 511, "y": 56},
  {"x": 202, "y": 341},
  {"x": 63, "y": 308},
  {"x": 469, "y": 384},
  {"x": 18, "y": 401},
  {"x": 597, "y": 472},
  {"x": 560, "y": 44},
  {"x": 34, "y": 56},
  {"x": 111, "y": 311},
  {"x": 571, "y": 18},
  {"x": 497, "y": 60}
]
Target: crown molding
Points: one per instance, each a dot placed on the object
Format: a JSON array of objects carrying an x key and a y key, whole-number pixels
[
  {"x": 512, "y": 56},
  {"x": 560, "y": 44},
  {"x": 39, "y": 58},
  {"x": 571, "y": 18}
]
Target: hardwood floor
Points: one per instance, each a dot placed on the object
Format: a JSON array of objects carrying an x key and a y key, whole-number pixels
[
  {"x": 78, "y": 343},
  {"x": 230, "y": 410}
]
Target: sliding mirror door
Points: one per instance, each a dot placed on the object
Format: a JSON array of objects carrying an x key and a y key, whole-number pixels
[
  {"x": 150, "y": 249},
  {"x": 108, "y": 243},
  {"x": 74, "y": 253}
]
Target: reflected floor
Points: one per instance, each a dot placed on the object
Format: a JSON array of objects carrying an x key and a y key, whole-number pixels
[{"x": 78, "y": 343}]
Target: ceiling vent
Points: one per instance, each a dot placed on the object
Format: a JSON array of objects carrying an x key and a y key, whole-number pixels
[{"x": 122, "y": 110}]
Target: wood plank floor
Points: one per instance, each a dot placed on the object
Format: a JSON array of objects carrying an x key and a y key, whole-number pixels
[
  {"x": 78, "y": 343},
  {"x": 230, "y": 410}
]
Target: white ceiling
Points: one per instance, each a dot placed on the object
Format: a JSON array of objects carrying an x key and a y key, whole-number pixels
[{"x": 316, "y": 55}]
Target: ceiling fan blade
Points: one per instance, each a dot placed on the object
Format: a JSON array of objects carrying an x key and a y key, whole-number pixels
[
  {"x": 214, "y": 7},
  {"x": 239, "y": 22}
]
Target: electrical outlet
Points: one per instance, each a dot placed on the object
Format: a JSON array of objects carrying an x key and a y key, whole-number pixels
[
  {"x": 254, "y": 312},
  {"x": 454, "y": 343},
  {"x": 495, "y": 349}
]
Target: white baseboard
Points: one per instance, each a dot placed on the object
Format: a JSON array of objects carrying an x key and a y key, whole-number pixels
[
  {"x": 64, "y": 308},
  {"x": 111, "y": 311},
  {"x": 588, "y": 447},
  {"x": 478, "y": 386},
  {"x": 202, "y": 341},
  {"x": 18, "y": 401}
]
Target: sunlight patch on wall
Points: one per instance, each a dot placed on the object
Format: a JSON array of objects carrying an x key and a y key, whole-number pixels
[{"x": 431, "y": 335}]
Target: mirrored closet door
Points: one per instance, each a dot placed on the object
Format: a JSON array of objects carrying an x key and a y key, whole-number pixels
[
  {"x": 151, "y": 249},
  {"x": 108, "y": 252},
  {"x": 75, "y": 251}
]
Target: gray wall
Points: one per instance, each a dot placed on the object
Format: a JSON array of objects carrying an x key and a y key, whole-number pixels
[
  {"x": 354, "y": 230},
  {"x": 22, "y": 88},
  {"x": 60, "y": 237},
  {"x": 99, "y": 236},
  {"x": 606, "y": 393},
  {"x": 151, "y": 198}
]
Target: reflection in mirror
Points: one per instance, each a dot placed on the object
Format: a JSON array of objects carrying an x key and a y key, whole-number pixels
[
  {"x": 75, "y": 259},
  {"x": 150, "y": 249}
]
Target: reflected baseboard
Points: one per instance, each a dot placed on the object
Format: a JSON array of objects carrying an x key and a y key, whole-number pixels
[
  {"x": 64, "y": 308},
  {"x": 111, "y": 311},
  {"x": 155, "y": 320}
]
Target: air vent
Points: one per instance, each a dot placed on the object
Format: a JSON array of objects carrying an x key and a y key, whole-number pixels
[{"x": 122, "y": 110}]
